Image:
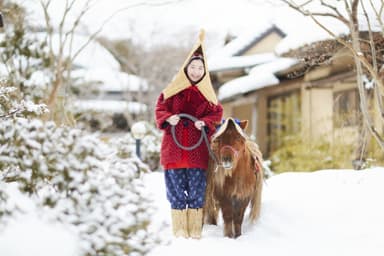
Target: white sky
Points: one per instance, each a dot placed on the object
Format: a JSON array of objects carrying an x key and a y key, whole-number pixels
[
  {"x": 164, "y": 22},
  {"x": 178, "y": 20}
]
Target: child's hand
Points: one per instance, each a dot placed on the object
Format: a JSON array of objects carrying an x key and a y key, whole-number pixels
[
  {"x": 173, "y": 120},
  {"x": 199, "y": 124}
]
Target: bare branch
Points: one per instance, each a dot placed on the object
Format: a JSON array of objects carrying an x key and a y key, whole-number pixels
[
  {"x": 93, "y": 35},
  {"x": 355, "y": 21},
  {"x": 378, "y": 14},
  {"x": 305, "y": 3},
  {"x": 360, "y": 60},
  {"x": 333, "y": 8},
  {"x": 9, "y": 114},
  {"x": 47, "y": 18},
  {"x": 378, "y": 89},
  {"x": 305, "y": 12}
]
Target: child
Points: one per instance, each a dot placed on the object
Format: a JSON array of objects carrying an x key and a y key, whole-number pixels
[{"x": 191, "y": 92}]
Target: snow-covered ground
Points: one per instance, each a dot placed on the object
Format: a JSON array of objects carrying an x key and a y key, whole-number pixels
[{"x": 328, "y": 212}]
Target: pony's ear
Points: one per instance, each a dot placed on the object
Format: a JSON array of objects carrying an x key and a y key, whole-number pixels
[{"x": 244, "y": 124}]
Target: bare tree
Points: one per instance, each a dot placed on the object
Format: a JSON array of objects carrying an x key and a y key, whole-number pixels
[
  {"x": 156, "y": 64},
  {"x": 62, "y": 60},
  {"x": 364, "y": 51}
]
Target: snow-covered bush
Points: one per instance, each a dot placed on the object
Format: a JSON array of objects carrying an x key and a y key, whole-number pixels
[
  {"x": 81, "y": 183},
  {"x": 3, "y": 201},
  {"x": 12, "y": 105},
  {"x": 74, "y": 178},
  {"x": 150, "y": 153},
  {"x": 25, "y": 56},
  {"x": 93, "y": 121}
]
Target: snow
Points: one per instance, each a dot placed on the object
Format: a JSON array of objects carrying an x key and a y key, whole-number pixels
[
  {"x": 274, "y": 66},
  {"x": 245, "y": 84},
  {"x": 109, "y": 106},
  {"x": 31, "y": 236},
  {"x": 28, "y": 234},
  {"x": 260, "y": 76},
  {"x": 84, "y": 190},
  {"x": 327, "y": 212},
  {"x": 242, "y": 40},
  {"x": 111, "y": 80},
  {"x": 39, "y": 78},
  {"x": 223, "y": 63},
  {"x": 93, "y": 55},
  {"x": 307, "y": 34},
  {"x": 368, "y": 84}
]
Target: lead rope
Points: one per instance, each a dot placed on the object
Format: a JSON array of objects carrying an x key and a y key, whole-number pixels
[{"x": 202, "y": 137}]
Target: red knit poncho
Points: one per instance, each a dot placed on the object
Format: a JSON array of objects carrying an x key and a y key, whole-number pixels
[{"x": 189, "y": 101}]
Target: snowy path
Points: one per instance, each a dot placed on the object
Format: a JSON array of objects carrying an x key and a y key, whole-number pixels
[{"x": 330, "y": 212}]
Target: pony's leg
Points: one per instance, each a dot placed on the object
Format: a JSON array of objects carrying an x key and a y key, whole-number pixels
[
  {"x": 239, "y": 207},
  {"x": 226, "y": 208},
  {"x": 211, "y": 213}
]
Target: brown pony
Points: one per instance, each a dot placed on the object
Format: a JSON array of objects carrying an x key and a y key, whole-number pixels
[{"x": 236, "y": 180}]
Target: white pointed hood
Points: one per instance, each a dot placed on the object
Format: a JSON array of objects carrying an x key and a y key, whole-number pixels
[{"x": 181, "y": 81}]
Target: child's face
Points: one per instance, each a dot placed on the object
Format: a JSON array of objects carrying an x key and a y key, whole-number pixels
[{"x": 195, "y": 70}]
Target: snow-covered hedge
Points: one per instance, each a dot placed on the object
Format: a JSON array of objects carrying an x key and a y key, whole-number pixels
[
  {"x": 150, "y": 146},
  {"x": 11, "y": 105},
  {"x": 73, "y": 178},
  {"x": 80, "y": 182}
]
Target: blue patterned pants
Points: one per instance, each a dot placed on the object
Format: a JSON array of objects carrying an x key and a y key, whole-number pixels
[{"x": 186, "y": 187}]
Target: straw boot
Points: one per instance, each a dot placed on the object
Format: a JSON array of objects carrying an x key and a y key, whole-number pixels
[
  {"x": 179, "y": 223},
  {"x": 195, "y": 222}
]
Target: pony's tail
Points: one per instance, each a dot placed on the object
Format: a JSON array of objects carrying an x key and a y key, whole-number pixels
[
  {"x": 257, "y": 165},
  {"x": 256, "y": 198}
]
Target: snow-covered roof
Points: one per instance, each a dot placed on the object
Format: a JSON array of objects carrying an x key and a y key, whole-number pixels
[
  {"x": 274, "y": 66},
  {"x": 259, "y": 77},
  {"x": 243, "y": 41},
  {"x": 229, "y": 56},
  {"x": 225, "y": 63},
  {"x": 111, "y": 80},
  {"x": 245, "y": 84},
  {"x": 110, "y": 106},
  {"x": 307, "y": 34},
  {"x": 93, "y": 55}
]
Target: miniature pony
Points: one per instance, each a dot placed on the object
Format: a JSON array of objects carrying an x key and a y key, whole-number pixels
[{"x": 236, "y": 180}]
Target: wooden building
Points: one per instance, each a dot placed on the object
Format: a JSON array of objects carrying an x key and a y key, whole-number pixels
[{"x": 283, "y": 96}]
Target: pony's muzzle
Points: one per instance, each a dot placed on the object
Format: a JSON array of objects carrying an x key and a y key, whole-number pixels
[{"x": 227, "y": 162}]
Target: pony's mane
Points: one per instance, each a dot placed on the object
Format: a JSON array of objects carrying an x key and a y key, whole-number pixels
[
  {"x": 257, "y": 156},
  {"x": 223, "y": 127}
]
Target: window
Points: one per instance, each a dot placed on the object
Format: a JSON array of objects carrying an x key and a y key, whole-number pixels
[
  {"x": 346, "y": 108},
  {"x": 284, "y": 117}
]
